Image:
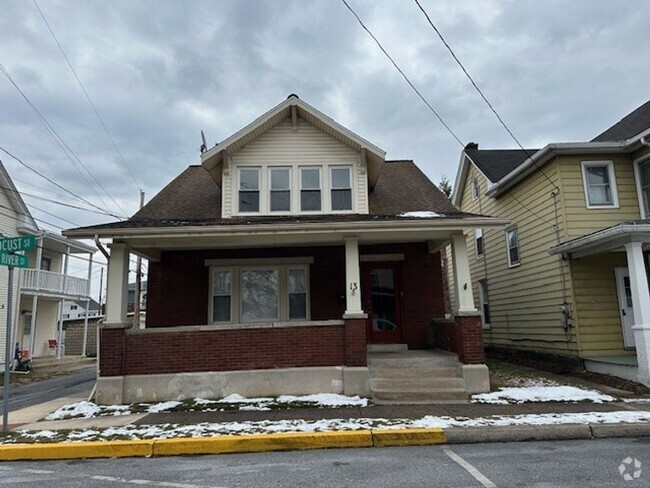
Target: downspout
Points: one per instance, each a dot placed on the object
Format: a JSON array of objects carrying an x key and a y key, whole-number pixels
[
  {"x": 101, "y": 247},
  {"x": 103, "y": 250}
]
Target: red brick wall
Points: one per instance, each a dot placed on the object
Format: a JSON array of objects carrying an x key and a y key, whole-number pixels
[
  {"x": 178, "y": 285},
  {"x": 225, "y": 350},
  {"x": 464, "y": 336}
]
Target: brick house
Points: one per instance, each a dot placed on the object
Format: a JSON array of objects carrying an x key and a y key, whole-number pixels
[{"x": 294, "y": 259}]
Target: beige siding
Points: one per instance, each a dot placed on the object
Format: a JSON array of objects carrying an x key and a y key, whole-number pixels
[
  {"x": 47, "y": 318},
  {"x": 308, "y": 145},
  {"x": 581, "y": 220},
  {"x": 597, "y": 304},
  {"x": 524, "y": 300}
]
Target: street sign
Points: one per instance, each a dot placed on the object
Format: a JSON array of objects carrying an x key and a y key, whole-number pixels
[
  {"x": 21, "y": 243},
  {"x": 15, "y": 260}
]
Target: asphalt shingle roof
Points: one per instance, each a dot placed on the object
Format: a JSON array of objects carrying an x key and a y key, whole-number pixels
[
  {"x": 193, "y": 198},
  {"x": 629, "y": 126},
  {"x": 497, "y": 163}
]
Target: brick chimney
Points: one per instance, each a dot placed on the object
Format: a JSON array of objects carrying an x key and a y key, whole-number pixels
[{"x": 471, "y": 145}]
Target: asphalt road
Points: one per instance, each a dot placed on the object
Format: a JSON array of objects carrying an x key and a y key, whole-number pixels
[
  {"x": 77, "y": 383},
  {"x": 557, "y": 464}
]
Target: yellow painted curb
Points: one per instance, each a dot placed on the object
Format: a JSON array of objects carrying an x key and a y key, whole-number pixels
[
  {"x": 76, "y": 450},
  {"x": 262, "y": 443},
  {"x": 408, "y": 437}
]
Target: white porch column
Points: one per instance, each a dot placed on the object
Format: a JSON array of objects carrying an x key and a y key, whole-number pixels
[
  {"x": 117, "y": 285},
  {"x": 462, "y": 278},
  {"x": 90, "y": 275},
  {"x": 641, "y": 305},
  {"x": 352, "y": 278},
  {"x": 37, "y": 265}
]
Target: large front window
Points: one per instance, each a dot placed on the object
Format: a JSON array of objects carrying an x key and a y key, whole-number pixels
[{"x": 243, "y": 294}]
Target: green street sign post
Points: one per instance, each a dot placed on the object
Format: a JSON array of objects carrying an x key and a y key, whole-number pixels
[{"x": 9, "y": 246}]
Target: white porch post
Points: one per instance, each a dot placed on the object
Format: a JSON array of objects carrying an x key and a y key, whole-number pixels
[
  {"x": 117, "y": 285},
  {"x": 462, "y": 278},
  {"x": 352, "y": 278},
  {"x": 39, "y": 257},
  {"x": 641, "y": 305},
  {"x": 59, "y": 349},
  {"x": 90, "y": 273}
]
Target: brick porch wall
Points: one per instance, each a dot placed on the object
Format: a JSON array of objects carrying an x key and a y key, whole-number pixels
[
  {"x": 463, "y": 335},
  {"x": 126, "y": 352}
]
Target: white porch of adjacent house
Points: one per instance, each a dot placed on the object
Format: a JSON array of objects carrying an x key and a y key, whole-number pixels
[
  {"x": 632, "y": 291},
  {"x": 38, "y": 324}
]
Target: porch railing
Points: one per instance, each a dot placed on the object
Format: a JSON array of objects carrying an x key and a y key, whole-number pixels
[{"x": 55, "y": 283}]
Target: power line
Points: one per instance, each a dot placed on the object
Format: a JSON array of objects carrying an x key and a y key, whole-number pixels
[
  {"x": 83, "y": 89},
  {"x": 419, "y": 94},
  {"x": 54, "y": 215},
  {"x": 16, "y": 158},
  {"x": 62, "y": 144},
  {"x": 480, "y": 92}
]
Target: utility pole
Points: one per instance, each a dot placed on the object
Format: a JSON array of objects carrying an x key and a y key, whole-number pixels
[{"x": 138, "y": 280}]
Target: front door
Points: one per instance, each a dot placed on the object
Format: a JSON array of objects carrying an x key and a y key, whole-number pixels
[
  {"x": 625, "y": 305},
  {"x": 382, "y": 297}
]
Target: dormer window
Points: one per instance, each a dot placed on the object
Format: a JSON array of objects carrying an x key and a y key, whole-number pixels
[
  {"x": 341, "y": 188},
  {"x": 280, "y": 189},
  {"x": 249, "y": 190},
  {"x": 310, "y": 189}
]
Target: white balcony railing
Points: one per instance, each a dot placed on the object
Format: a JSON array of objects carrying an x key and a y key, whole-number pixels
[{"x": 54, "y": 283}]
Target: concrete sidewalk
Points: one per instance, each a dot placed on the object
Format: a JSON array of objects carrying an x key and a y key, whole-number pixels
[{"x": 367, "y": 437}]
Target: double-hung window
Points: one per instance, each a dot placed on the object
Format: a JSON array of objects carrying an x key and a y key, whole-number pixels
[
  {"x": 599, "y": 184},
  {"x": 266, "y": 293},
  {"x": 310, "y": 189},
  {"x": 512, "y": 244},
  {"x": 249, "y": 190},
  {"x": 475, "y": 189},
  {"x": 341, "y": 188},
  {"x": 280, "y": 189},
  {"x": 478, "y": 239}
]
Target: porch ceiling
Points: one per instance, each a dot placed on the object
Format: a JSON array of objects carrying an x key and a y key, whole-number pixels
[{"x": 606, "y": 240}]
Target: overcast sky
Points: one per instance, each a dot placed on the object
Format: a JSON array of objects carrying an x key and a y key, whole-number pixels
[{"x": 159, "y": 72}]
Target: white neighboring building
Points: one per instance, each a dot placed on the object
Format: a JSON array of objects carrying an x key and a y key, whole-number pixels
[
  {"x": 40, "y": 289},
  {"x": 74, "y": 310}
]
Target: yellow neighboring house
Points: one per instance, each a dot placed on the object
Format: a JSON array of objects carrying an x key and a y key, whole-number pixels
[{"x": 567, "y": 280}]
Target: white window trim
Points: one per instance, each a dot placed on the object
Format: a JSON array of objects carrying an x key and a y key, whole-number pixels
[
  {"x": 291, "y": 191},
  {"x": 475, "y": 189},
  {"x": 612, "y": 184},
  {"x": 260, "y": 190},
  {"x": 637, "y": 180},
  {"x": 235, "y": 300},
  {"x": 518, "y": 263},
  {"x": 482, "y": 295},
  {"x": 296, "y": 184},
  {"x": 476, "y": 237},
  {"x": 331, "y": 188}
]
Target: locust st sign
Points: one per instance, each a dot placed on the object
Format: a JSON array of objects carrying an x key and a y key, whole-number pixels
[{"x": 13, "y": 244}]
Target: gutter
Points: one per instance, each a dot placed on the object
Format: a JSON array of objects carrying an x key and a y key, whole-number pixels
[
  {"x": 291, "y": 228},
  {"x": 600, "y": 236}
]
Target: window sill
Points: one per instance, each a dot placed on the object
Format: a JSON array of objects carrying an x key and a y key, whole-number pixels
[
  {"x": 514, "y": 265},
  {"x": 602, "y": 207},
  {"x": 256, "y": 325}
]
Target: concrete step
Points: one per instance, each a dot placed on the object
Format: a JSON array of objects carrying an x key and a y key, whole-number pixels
[
  {"x": 417, "y": 384},
  {"x": 386, "y": 361},
  {"x": 387, "y": 347},
  {"x": 411, "y": 396},
  {"x": 417, "y": 372}
]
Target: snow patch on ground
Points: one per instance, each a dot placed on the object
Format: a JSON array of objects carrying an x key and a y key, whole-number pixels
[
  {"x": 162, "y": 407},
  {"x": 165, "y": 431},
  {"x": 521, "y": 382},
  {"x": 542, "y": 394},
  {"x": 325, "y": 400},
  {"x": 421, "y": 214}
]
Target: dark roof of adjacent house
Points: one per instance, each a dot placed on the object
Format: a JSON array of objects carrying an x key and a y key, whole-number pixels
[
  {"x": 93, "y": 305},
  {"x": 497, "y": 163},
  {"x": 193, "y": 199},
  {"x": 629, "y": 126}
]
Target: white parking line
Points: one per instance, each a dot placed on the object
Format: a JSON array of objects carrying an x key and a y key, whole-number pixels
[
  {"x": 480, "y": 477},
  {"x": 168, "y": 484}
]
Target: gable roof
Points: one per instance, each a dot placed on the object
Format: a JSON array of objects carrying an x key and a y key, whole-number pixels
[
  {"x": 497, "y": 163},
  {"x": 193, "y": 199},
  {"x": 629, "y": 126},
  {"x": 24, "y": 218},
  {"x": 293, "y": 106}
]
